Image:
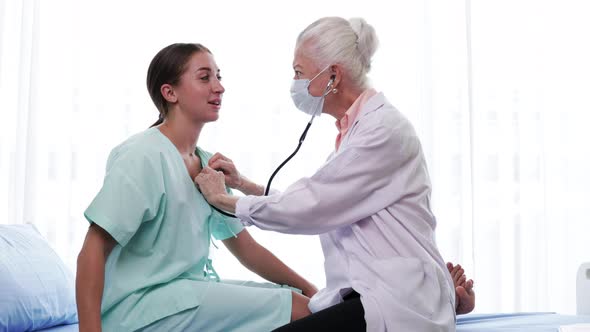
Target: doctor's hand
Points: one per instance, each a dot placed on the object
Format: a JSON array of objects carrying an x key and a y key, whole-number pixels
[
  {"x": 211, "y": 183},
  {"x": 233, "y": 178},
  {"x": 222, "y": 163}
]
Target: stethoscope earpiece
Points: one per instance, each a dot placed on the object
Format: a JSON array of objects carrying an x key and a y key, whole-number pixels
[{"x": 332, "y": 79}]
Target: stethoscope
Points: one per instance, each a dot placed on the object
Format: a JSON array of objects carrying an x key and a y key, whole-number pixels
[{"x": 301, "y": 139}]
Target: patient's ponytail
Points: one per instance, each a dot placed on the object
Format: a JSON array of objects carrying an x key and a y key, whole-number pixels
[
  {"x": 158, "y": 122},
  {"x": 166, "y": 68}
]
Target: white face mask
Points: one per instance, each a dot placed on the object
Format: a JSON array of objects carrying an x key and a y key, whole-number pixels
[{"x": 303, "y": 100}]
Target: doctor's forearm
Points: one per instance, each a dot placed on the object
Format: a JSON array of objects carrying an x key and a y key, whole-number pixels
[
  {"x": 225, "y": 202},
  {"x": 250, "y": 188}
]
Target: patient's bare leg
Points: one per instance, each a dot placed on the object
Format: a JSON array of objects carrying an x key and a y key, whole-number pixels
[{"x": 464, "y": 294}]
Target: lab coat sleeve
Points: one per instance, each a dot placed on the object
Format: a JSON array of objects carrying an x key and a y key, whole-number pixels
[
  {"x": 272, "y": 191},
  {"x": 370, "y": 173}
]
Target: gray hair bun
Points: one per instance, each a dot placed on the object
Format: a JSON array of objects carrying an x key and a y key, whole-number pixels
[{"x": 367, "y": 41}]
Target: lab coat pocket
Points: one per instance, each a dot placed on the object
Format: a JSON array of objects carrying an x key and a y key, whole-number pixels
[{"x": 406, "y": 281}]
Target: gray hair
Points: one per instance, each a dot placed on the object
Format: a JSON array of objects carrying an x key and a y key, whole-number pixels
[{"x": 350, "y": 43}]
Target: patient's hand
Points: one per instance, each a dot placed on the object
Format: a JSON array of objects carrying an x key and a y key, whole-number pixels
[
  {"x": 222, "y": 163},
  {"x": 464, "y": 294},
  {"x": 310, "y": 290}
]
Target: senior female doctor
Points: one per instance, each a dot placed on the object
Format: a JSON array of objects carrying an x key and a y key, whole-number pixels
[{"x": 370, "y": 201}]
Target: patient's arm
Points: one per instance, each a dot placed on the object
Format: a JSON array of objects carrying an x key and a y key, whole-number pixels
[
  {"x": 97, "y": 246},
  {"x": 233, "y": 178},
  {"x": 262, "y": 262}
]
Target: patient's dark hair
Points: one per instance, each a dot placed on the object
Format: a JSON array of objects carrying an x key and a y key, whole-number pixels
[{"x": 166, "y": 68}]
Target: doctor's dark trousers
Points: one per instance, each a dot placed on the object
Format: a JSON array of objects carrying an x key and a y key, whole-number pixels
[{"x": 346, "y": 316}]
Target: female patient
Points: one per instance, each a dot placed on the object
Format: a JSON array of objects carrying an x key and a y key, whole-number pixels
[{"x": 144, "y": 263}]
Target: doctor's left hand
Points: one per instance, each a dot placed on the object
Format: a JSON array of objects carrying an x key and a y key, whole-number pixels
[
  {"x": 211, "y": 183},
  {"x": 222, "y": 163}
]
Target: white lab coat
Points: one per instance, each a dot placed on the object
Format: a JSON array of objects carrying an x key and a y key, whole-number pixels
[{"x": 370, "y": 204}]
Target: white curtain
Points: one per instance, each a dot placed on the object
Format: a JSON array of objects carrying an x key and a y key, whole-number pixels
[{"x": 496, "y": 90}]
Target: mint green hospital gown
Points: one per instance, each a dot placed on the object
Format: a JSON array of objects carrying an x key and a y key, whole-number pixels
[{"x": 163, "y": 227}]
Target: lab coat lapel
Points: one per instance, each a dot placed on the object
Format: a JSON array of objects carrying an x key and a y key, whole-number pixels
[{"x": 373, "y": 104}]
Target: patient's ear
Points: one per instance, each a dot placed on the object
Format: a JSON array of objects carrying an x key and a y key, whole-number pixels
[{"x": 168, "y": 93}]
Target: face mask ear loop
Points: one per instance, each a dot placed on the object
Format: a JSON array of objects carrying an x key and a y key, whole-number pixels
[
  {"x": 318, "y": 74},
  {"x": 318, "y": 109},
  {"x": 326, "y": 92}
]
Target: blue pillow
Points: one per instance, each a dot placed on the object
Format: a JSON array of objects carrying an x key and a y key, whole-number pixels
[{"x": 36, "y": 288}]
